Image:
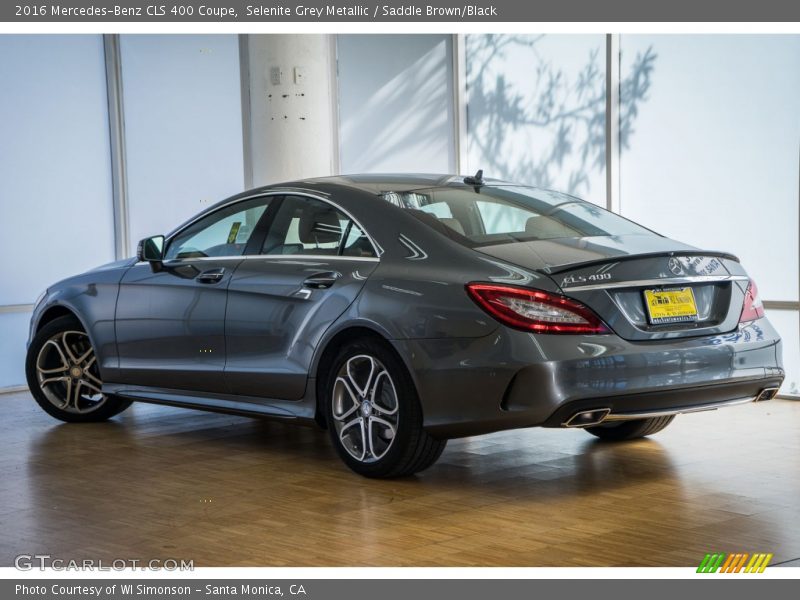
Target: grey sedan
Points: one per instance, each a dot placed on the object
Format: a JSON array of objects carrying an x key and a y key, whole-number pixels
[{"x": 398, "y": 311}]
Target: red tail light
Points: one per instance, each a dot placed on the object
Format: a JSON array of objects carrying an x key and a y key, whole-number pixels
[
  {"x": 752, "y": 309},
  {"x": 535, "y": 310}
]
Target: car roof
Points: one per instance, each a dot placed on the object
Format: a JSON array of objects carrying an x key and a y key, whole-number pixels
[
  {"x": 369, "y": 184},
  {"x": 379, "y": 183}
]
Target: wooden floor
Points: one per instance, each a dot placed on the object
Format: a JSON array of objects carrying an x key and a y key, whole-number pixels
[{"x": 227, "y": 491}]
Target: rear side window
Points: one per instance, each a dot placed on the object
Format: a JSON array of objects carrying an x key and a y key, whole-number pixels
[
  {"x": 307, "y": 226},
  {"x": 501, "y": 214}
]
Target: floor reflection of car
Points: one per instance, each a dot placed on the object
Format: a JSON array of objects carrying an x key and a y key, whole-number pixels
[{"x": 399, "y": 311}]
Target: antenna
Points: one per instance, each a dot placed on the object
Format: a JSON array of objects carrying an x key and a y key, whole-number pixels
[{"x": 476, "y": 180}]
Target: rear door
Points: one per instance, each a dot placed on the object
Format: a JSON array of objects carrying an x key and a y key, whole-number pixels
[{"x": 312, "y": 264}]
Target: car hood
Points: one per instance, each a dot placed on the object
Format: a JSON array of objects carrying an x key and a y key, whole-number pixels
[{"x": 553, "y": 255}]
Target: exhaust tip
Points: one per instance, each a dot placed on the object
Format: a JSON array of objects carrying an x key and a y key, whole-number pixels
[
  {"x": 587, "y": 418},
  {"x": 767, "y": 394}
]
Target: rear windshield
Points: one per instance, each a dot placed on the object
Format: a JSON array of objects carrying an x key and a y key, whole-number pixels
[{"x": 501, "y": 214}]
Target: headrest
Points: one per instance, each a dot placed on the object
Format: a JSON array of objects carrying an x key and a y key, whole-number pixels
[
  {"x": 319, "y": 226},
  {"x": 546, "y": 228},
  {"x": 453, "y": 224}
]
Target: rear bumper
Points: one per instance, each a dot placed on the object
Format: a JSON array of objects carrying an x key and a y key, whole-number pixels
[
  {"x": 663, "y": 403},
  {"x": 511, "y": 379}
]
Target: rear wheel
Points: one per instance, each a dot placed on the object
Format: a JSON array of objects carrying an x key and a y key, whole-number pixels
[
  {"x": 63, "y": 375},
  {"x": 630, "y": 430},
  {"x": 373, "y": 413}
]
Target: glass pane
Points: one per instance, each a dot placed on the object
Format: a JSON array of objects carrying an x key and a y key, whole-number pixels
[
  {"x": 224, "y": 233},
  {"x": 712, "y": 157},
  {"x": 396, "y": 103},
  {"x": 787, "y": 322},
  {"x": 536, "y": 110},
  {"x": 55, "y": 181},
  {"x": 305, "y": 226},
  {"x": 500, "y": 214},
  {"x": 183, "y": 127},
  {"x": 357, "y": 243},
  {"x": 501, "y": 218}
]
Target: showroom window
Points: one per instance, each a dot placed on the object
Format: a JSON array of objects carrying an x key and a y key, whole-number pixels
[
  {"x": 535, "y": 107},
  {"x": 712, "y": 157},
  {"x": 702, "y": 152},
  {"x": 55, "y": 181}
]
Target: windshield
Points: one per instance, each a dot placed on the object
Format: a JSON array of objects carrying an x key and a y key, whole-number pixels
[{"x": 501, "y": 214}]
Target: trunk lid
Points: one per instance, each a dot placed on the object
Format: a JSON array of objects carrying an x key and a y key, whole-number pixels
[{"x": 610, "y": 275}]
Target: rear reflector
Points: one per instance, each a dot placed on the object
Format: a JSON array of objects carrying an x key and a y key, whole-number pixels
[
  {"x": 535, "y": 310},
  {"x": 752, "y": 308}
]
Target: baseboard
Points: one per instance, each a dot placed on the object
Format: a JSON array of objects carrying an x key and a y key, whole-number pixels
[{"x": 14, "y": 388}]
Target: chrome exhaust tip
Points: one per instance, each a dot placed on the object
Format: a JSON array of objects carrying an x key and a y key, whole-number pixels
[
  {"x": 767, "y": 394},
  {"x": 587, "y": 418}
]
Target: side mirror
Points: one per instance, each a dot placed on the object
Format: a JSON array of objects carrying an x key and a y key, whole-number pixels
[{"x": 151, "y": 249}]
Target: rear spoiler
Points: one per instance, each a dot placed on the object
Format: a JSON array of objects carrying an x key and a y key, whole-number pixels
[{"x": 556, "y": 269}]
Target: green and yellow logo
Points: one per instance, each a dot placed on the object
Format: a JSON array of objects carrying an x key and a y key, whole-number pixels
[{"x": 740, "y": 562}]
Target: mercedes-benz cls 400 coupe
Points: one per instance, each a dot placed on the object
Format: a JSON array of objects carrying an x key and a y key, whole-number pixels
[{"x": 398, "y": 311}]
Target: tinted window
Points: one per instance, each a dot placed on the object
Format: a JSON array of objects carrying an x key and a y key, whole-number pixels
[
  {"x": 222, "y": 233},
  {"x": 501, "y": 214},
  {"x": 309, "y": 226}
]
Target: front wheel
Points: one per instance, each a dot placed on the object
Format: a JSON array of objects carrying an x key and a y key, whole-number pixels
[
  {"x": 373, "y": 413},
  {"x": 63, "y": 375},
  {"x": 630, "y": 430}
]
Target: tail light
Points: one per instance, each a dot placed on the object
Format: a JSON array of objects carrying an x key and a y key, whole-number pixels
[
  {"x": 535, "y": 310},
  {"x": 753, "y": 308}
]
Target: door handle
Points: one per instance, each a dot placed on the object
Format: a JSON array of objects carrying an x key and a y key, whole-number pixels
[
  {"x": 321, "y": 281},
  {"x": 211, "y": 276}
]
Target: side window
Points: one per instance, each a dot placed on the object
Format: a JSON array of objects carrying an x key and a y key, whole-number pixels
[
  {"x": 310, "y": 226},
  {"x": 357, "y": 243},
  {"x": 222, "y": 233}
]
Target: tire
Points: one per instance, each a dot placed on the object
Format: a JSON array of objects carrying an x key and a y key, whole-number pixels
[
  {"x": 630, "y": 430},
  {"x": 373, "y": 413},
  {"x": 63, "y": 375}
]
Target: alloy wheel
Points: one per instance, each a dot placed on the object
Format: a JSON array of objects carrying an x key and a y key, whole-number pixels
[
  {"x": 67, "y": 372},
  {"x": 365, "y": 408}
]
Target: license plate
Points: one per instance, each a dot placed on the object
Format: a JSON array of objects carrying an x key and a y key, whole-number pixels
[{"x": 670, "y": 306}]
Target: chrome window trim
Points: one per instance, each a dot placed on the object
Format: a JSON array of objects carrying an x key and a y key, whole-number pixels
[
  {"x": 318, "y": 257},
  {"x": 665, "y": 281},
  {"x": 279, "y": 257},
  {"x": 322, "y": 197}
]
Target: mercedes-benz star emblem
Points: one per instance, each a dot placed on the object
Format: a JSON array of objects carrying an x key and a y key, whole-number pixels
[{"x": 675, "y": 266}]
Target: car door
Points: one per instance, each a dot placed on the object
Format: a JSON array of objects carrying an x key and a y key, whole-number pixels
[
  {"x": 170, "y": 320},
  {"x": 312, "y": 264}
]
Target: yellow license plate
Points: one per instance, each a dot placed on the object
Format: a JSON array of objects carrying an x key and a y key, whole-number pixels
[{"x": 670, "y": 306}]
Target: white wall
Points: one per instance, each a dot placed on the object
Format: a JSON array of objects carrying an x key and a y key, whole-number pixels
[
  {"x": 183, "y": 126},
  {"x": 396, "y": 103},
  {"x": 56, "y": 214}
]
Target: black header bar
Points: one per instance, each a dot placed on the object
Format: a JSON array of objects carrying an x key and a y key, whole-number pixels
[{"x": 310, "y": 11}]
